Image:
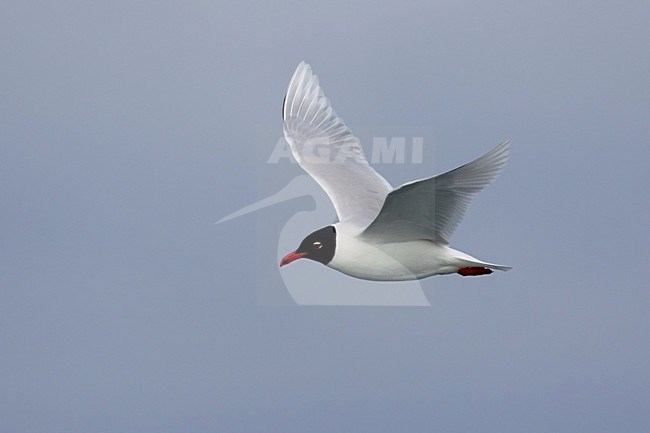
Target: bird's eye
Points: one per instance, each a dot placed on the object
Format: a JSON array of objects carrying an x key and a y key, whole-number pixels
[{"x": 318, "y": 245}]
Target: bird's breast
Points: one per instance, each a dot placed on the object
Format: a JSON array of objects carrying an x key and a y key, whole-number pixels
[{"x": 397, "y": 261}]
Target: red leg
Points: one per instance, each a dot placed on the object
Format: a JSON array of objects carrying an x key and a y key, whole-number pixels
[{"x": 471, "y": 271}]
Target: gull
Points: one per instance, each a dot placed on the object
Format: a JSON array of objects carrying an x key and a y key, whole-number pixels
[{"x": 382, "y": 233}]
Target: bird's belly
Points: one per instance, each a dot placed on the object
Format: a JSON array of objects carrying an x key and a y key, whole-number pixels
[{"x": 394, "y": 261}]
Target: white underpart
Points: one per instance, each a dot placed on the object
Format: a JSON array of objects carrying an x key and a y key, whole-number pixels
[{"x": 398, "y": 261}]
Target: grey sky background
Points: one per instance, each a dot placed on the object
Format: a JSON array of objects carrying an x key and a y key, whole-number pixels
[{"x": 128, "y": 128}]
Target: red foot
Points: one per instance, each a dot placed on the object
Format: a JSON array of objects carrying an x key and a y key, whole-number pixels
[{"x": 471, "y": 271}]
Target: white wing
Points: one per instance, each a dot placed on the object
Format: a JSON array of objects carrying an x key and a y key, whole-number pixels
[
  {"x": 326, "y": 149},
  {"x": 433, "y": 207}
]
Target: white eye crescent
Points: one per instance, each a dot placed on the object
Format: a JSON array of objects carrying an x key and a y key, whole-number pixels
[{"x": 318, "y": 245}]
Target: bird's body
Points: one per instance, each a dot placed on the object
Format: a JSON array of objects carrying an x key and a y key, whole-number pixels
[
  {"x": 397, "y": 261},
  {"x": 393, "y": 261},
  {"x": 383, "y": 234}
]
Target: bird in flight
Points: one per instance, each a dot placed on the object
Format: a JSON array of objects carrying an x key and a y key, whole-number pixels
[{"x": 383, "y": 233}]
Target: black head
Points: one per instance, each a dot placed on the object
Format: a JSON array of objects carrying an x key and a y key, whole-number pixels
[{"x": 318, "y": 246}]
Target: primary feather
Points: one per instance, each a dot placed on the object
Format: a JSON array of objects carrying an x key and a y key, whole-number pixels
[
  {"x": 328, "y": 151},
  {"x": 432, "y": 208}
]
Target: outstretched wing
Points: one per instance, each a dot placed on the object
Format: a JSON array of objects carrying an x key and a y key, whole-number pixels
[
  {"x": 326, "y": 149},
  {"x": 433, "y": 207}
]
